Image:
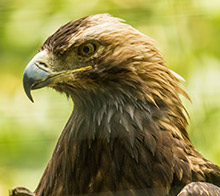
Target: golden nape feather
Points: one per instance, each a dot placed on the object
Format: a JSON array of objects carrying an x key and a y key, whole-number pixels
[{"x": 127, "y": 134}]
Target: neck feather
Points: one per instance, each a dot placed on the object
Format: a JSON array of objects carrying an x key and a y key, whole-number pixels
[{"x": 114, "y": 128}]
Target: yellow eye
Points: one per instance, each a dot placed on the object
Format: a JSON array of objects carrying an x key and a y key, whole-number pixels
[{"x": 87, "y": 49}]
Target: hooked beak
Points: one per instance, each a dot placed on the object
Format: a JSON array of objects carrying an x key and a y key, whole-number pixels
[{"x": 36, "y": 74}]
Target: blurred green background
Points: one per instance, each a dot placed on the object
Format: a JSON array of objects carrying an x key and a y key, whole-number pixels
[{"x": 186, "y": 31}]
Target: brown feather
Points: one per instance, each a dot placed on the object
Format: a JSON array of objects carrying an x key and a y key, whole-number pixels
[{"x": 128, "y": 131}]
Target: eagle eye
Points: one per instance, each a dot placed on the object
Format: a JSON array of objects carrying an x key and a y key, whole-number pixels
[{"x": 87, "y": 49}]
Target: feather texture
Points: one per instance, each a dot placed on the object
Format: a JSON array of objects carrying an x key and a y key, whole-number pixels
[{"x": 127, "y": 133}]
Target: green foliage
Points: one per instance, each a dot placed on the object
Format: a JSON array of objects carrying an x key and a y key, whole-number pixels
[{"x": 187, "y": 32}]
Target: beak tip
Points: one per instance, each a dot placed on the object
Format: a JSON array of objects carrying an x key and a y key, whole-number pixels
[
  {"x": 27, "y": 83},
  {"x": 31, "y": 98},
  {"x": 34, "y": 76},
  {"x": 28, "y": 93}
]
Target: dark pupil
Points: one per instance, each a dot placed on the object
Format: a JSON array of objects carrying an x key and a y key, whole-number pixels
[{"x": 86, "y": 49}]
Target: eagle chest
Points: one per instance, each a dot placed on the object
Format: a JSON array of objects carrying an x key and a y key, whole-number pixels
[{"x": 117, "y": 150}]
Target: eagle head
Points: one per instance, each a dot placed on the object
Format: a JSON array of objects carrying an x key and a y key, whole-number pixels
[{"x": 101, "y": 54}]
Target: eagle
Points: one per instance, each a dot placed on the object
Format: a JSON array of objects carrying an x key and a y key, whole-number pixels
[{"x": 127, "y": 133}]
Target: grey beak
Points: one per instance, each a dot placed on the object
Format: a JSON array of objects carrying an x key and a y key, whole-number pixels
[{"x": 32, "y": 78}]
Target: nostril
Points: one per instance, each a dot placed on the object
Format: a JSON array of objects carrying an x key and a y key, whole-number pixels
[{"x": 43, "y": 64}]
